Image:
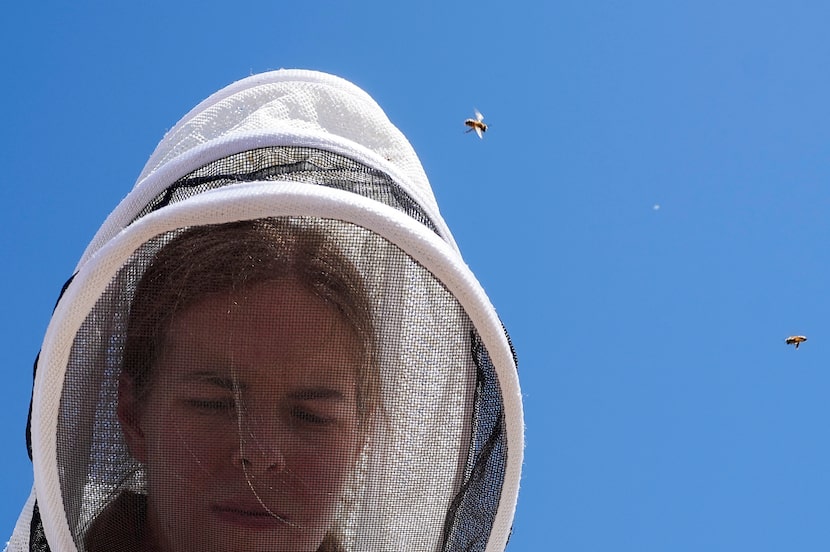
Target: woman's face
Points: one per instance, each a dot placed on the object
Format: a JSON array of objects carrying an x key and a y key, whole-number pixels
[{"x": 250, "y": 429}]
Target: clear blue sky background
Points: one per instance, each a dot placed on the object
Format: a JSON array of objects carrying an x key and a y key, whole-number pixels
[{"x": 648, "y": 213}]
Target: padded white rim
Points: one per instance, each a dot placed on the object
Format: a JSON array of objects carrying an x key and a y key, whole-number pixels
[
  {"x": 255, "y": 200},
  {"x": 200, "y": 156}
]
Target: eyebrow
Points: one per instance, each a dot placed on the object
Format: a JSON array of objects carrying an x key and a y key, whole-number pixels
[
  {"x": 303, "y": 394},
  {"x": 214, "y": 379},
  {"x": 316, "y": 393}
]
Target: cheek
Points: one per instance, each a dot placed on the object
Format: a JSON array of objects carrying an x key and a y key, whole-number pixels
[
  {"x": 186, "y": 452},
  {"x": 326, "y": 465}
]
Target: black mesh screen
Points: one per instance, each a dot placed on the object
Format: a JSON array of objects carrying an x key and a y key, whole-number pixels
[
  {"x": 472, "y": 512},
  {"x": 294, "y": 164},
  {"x": 37, "y": 537}
]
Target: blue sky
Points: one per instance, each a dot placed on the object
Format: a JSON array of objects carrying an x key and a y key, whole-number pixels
[{"x": 648, "y": 213}]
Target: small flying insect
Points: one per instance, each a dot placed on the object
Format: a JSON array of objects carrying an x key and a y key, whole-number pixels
[
  {"x": 477, "y": 124},
  {"x": 795, "y": 340}
]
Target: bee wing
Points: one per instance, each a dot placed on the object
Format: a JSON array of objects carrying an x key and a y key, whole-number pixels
[
  {"x": 479, "y": 116},
  {"x": 478, "y": 131}
]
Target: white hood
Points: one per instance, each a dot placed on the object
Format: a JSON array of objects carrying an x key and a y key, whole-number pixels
[{"x": 441, "y": 473}]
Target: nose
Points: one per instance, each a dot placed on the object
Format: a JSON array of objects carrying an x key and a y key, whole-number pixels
[{"x": 260, "y": 450}]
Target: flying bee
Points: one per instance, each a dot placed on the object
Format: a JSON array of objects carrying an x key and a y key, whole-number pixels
[
  {"x": 795, "y": 340},
  {"x": 477, "y": 124}
]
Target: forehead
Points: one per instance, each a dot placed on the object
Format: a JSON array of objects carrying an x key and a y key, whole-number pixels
[
  {"x": 275, "y": 325},
  {"x": 279, "y": 306}
]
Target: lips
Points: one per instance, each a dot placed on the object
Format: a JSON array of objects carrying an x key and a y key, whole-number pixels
[{"x": 249, "y": 515}]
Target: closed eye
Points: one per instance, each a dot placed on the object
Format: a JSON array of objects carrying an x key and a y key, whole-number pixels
[
  {"x": 216, "y": 405},
  {"x": 305, "y": 416}
]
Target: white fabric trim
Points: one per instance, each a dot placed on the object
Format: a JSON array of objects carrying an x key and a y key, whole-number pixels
[
  {"x": 286, "y": 107},
  {"x": 200, "y": 156},
  {"x": 255, "y": 200},
  {"x": 19, "y": 541}
]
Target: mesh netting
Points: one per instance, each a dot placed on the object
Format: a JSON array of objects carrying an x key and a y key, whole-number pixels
[{"x": 400, "y": 482}]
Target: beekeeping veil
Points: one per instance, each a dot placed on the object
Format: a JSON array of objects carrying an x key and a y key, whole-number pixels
[{"x": 433, "y": 432}]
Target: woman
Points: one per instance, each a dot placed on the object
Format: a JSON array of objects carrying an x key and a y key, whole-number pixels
[
  {"x": 273, "y": 343},
  {"x": 246, "y": 392}
]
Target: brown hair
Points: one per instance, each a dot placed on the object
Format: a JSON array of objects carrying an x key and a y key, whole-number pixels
[{"x": 225, "y": 257}]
